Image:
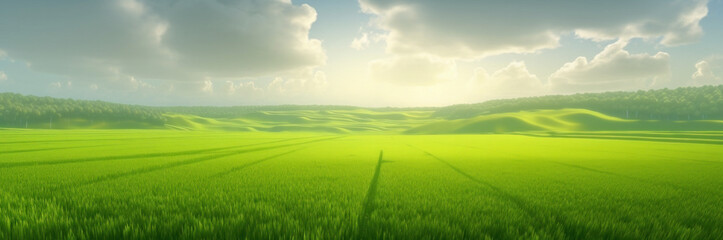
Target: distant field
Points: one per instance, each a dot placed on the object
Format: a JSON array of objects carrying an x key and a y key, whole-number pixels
[
  {"x": 394, "y": 121},
  {"x": 324, "y": 121},
  {"x": 215, "y": 184},
  {"x": 422, "y": 122}
]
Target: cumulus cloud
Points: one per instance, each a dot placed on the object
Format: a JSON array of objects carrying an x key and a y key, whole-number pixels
[
  {"x": 514, "y": 80},
  {"x": 365, "y": 39},
  {"x": 229, "y": 88},
  {"x": 302, "y": 82},
  {"x": 174, "y": 40},
  {"x": 3, "y": 76},
  {"x": 612, "y": 69},
  {"x": 59, "y": 85},
  {"x": 361, "y": 42},
  {"x": 248, "y": 88},
  {"x": 207, "y": 86},
  {"x": 705, "y": 75},
  {"x": 413, "y": 70},
  {"x": 290, "y": 84},
  {"x": 473, "y": 29}
]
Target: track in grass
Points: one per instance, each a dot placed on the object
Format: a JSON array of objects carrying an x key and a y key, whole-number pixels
[
  {"x": 640, "y": 180},
  {"x": 134, "y": 156},
  {"x": 239, "y": 168},
  {"x": 368, "y": 205},
  {"x": 45, "y": 149},
  {"x": 529, "y": 208},
  {"x": 180, "y": 163}
]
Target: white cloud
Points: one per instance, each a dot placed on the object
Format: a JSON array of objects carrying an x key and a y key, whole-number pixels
[
  {"x": 229, "y": 88},
  {"x": 93, "y": 87},
  {"x": 413, "y": 70},
  {"x": 289, "y": 84},
  {"x": 360, "y": 43},
  {"x": 302, "y": 82},
  {"x": 367, "y": 38},
  {"x": 3, "y": 76},
  {"x": 705, "y": 75},
  {"x": 474, "y": 29},
  {"x": 172, "y": 40},
  {"x": 131, "y": 84},
  {"x": 514, "y": 80},
  {"x": 207, "y": 86},
  {"x": 249, "y": 89},
  {"x": 612, "y": 69},
  {"x": 59, "y": 85}
]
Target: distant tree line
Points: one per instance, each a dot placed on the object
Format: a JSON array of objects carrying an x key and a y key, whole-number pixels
[
  {"x": 686, "y": 103},
  {"x": 17, "y": 110}
]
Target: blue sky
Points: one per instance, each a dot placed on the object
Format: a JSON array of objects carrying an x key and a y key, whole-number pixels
[{"x": 366, "y": 53}]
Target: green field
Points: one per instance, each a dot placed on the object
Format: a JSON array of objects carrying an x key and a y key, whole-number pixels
[
  {"x": 361, "y": 120},
  {"x": 101, "y": 184}
]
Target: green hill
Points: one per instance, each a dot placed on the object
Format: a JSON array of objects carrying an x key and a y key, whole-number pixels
[
  {"x": 564, "y": 120},
  {"x": 331, "y": 121},
  {"x": 660, "y": 110},
  {"x": 687, "y": 103}
]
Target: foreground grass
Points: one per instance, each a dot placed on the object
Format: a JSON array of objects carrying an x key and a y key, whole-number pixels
[{"x": 189, "y": 185}]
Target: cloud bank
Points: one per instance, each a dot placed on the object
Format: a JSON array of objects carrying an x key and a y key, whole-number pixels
[
  {"x": 474, "y": 29},
  {"x": 707, "y": 72},
  {"x": 160, "y": 39},
  {"x": 509, "y": 82},
  {"x": 612, "y": 69}
]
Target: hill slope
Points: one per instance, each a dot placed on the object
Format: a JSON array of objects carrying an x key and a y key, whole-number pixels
[
  {"x": 334, "y": 121},
  {"x": 688, "y": 103},
  {"x": 564, "y": 120}
]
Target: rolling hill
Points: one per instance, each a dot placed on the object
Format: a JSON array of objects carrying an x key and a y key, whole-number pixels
[
  {"x": 563, "y": 120},
  {"x": 331, "y": 121},
  {"x": 682, "y": 109}
]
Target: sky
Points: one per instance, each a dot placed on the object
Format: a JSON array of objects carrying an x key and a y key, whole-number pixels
[{"x": 372, "y": 53}]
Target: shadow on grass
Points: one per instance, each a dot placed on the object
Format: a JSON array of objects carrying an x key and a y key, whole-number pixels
[
  {"x": 368, "y": 205},
  {"x": 640, "y": 180},
  {"x": 239, "y": 168},
  {"x": 134, "y": 156},
  {"x": 668, "y": 138},
  {"x": 543, "y": 219},
  {"x": 182, "y": 163},
  {"x": 86, "y": 140},
  {"x": 45, "y": 149}
]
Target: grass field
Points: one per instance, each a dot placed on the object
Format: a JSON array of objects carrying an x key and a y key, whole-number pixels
[{"x": 102, "y": 184}]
